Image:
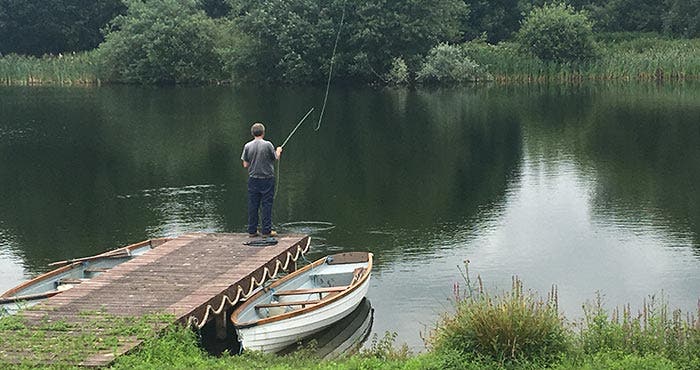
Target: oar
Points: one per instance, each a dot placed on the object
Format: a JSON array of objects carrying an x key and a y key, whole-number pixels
[
  {"x": 29, "y": 297},
  {"x": 112, "y": 254}
]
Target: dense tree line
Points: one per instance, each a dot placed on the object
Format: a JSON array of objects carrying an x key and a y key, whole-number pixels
[
  {"x": 291, "y": 40},
  {"x": 51, "y": 26},
  {"x": 37, "y": 27}
]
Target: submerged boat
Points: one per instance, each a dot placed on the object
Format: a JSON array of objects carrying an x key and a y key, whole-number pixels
[
  {"x": 70, "y": 274},
  {"x": 303, "y": 303}
]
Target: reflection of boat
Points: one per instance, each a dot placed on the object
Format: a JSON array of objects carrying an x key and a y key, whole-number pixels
[
  {"x": 72, "y": 273},
  {"x": 303, "y": 302},
  {"x": 342, "y": 338}
]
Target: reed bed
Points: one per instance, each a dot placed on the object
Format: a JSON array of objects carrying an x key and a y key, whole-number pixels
[
  {"x": 68, "y": 69},
  {"x": 644, "y": 58},
  {"x": 647, "y": 59}
]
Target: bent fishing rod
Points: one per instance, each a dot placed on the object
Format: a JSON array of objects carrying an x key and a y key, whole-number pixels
[
  {"x": 297, "y": 127},
  {"x": 279, "y": 161}
]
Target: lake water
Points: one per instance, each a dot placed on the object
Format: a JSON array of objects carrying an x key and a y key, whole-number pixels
[{"x": 593, "y": 188}]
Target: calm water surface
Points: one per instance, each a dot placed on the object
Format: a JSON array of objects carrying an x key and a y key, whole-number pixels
[{"x": 592, "y": 188}]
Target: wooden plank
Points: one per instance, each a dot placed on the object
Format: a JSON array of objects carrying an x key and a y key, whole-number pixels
[
  {"x": 182, "y": 276},
  {"x": 285, "y": 304},
  {"x": 311, "y": 291}
]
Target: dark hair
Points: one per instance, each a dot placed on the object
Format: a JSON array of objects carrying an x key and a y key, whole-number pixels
[{"x": 258, "y": 129}]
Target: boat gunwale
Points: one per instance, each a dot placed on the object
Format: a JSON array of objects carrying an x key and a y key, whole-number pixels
[
  {"x": 11, "y": 293},
  {"x": 45, "y": 276},
  {"x": 324, "y": 302}
]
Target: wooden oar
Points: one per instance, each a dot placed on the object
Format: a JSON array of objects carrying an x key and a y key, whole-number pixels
[
  {"x": 112, "y": 254},
  {"x": 28, "y": 297}
]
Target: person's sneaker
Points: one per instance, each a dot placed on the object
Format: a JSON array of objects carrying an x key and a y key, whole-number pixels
[
  {"x": 271, "y": 234},
  {"x": 253, "y": 235}
]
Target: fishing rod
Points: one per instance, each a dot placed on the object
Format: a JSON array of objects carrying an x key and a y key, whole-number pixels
[
  {"x": 297, "y": 127},
  {"x": 279, "y": 161}
]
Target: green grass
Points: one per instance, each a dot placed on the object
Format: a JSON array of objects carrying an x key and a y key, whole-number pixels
[
  {"x": 623, "y": 57},
  {"x": 69, "y": 69},
  {"x": 514, "y": 330},
  {"x": 644, "y": 58},
  {"x": 65, "y": 343}
]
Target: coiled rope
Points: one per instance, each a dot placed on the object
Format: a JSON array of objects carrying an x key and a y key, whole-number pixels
[{"x": 227, "y": 301}]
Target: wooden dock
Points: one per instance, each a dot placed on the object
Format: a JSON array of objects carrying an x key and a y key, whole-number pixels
[{"x": 190, "y": 280}]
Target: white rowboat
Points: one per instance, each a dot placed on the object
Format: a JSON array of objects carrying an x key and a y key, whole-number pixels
[{"x": 303, "y": 302}]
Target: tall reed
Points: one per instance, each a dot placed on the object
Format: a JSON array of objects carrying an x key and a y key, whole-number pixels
[
  {"x": 649, "y": 59},
  {"x": 652, "y": 330},
  {"x": 512, "y": 327},
  {"x": 68, "y": 69}
]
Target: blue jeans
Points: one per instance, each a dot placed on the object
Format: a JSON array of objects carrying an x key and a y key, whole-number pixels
[{"x": 260, "y": 192}]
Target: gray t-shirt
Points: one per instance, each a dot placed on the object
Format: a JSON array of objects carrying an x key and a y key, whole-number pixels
[{"x": 261, "y": 156}]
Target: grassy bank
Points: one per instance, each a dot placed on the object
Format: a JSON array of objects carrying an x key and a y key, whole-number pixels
[
  {"x": 69, "y": 69},
  {"x": 643, "y": 58},
  {"x": 625, "y": 58},
  {"x": 515, "y": 330}
]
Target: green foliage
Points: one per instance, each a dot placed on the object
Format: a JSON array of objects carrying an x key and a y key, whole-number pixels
[
  {"x": 618, "y": 361},
  {"x": 624, "y": 57},
  {"x": 449, "y": 64},
  {"x": 398, "y": 74},
  {"x": 37, "y": 27},
  {"x": 63, "y": 343},
  {"x": 69, "y": 69},
  {"x": 683, "y": 18},
  {"x": 498, "y": 19},
  {"x": 161, "y": 41},
  {"x": 654, "y": 331},
  {"x": 291, "y": 41},
  {"x": 514, "y": 327},
  {"x": 555, "y": 32}
]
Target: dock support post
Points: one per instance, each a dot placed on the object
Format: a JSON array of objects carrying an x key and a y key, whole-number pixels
[{"x": 220, "y": 323}]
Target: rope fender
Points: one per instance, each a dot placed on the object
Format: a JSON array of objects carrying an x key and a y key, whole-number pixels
[{"x": 193, "y": 321}]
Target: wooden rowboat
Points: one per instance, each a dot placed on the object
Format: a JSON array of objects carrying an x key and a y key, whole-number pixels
[
  {"x": 303, "y": 302},
  {"x": 71, "y": 273}
]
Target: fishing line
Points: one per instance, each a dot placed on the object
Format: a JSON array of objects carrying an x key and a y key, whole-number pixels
[{"x": 330, "y": 71}]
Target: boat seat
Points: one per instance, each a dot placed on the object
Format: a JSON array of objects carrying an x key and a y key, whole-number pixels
[
  {"x": 70, "y": 281},
  {"x": 95, "y": 269},
  {"x": 331, "y": 289},
  {"x": 357, "y": 274},
  {"x": 285, "y": 304}
]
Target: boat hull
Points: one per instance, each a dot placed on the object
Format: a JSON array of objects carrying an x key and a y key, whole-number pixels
[
  {"x": 273, "y": 337},
  {"x": 303, "y": 303}
]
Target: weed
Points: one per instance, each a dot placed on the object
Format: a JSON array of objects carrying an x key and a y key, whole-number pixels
[{"x": 516, "y": 326}]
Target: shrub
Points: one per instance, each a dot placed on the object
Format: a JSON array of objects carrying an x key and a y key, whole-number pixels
[
  {"x": 513, "y": 327},
  {"x": 555, "y": 32},
  {"x": 449, "y": 64},
  {"x": 161, "y": 41},
  {"x": 398, "y": 74},
  {"x": 654, "y": 331}
]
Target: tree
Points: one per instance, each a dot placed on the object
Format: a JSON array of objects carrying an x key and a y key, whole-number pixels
[
  {"x": 292, "y": 40},
  {"x": 683, "y": 18},
  {"x": 161, "y": 41},
  {"x": 556, "y": 32},
  {"x": 634, "y": 15},
  {"x": 499, "y": 19},
  {"x": 39, "y": 27}
]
